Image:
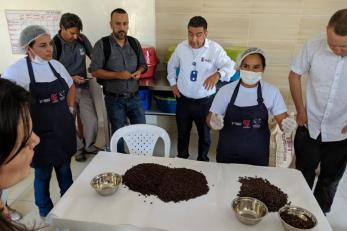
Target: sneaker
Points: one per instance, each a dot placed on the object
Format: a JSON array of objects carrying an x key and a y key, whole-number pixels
[{"x": 80, "y": 157}]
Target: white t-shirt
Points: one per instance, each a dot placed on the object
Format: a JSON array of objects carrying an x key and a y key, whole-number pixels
[
  {"x": 273, "y": 99},
  {"x": 19, "y": 73}
]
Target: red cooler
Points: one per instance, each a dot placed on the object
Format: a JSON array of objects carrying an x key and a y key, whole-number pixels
[{"x": 151, "y": 60}]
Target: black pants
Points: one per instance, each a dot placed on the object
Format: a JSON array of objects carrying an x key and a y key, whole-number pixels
[
  {"x": 187, "y": 111},
  {"x": 332, "y": 157}
]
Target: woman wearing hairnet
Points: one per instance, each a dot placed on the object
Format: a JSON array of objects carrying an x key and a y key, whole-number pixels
[
  {"x": 240, "y": 111},
  {"x": 53, "y": 91}
]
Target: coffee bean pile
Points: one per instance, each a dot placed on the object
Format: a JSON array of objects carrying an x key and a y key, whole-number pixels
[
  {"x": 272, "y": 196},
  {"x": 145, "y": 178},
  {"x": 296, "y": 221},
  {"x": 168, "y": 184}
]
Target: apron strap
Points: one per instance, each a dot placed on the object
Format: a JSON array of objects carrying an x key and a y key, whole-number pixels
[
  {"x": 56, "y": 74},
  {"x": 30, "y": 70},
  {"x": 236, "y": 91},
  {"x": 259, "y": 94}
]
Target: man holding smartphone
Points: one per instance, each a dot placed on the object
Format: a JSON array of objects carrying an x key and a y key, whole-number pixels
[{"x": 71, "y": 48}]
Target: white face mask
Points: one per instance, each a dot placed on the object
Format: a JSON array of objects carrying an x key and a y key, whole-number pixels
[
  {"x": 38, "y": 59},
  {"x": 250, "y": 77}
]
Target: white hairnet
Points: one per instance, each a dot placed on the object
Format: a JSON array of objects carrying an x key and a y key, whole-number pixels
[
  {"x": 29, "y": 34},
  {"x": 248, "y": 51}
]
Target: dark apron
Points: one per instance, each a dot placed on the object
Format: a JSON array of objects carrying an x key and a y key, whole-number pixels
[
  {"x": 245, "y": 136},
  {"x": 52, "y": 120}
]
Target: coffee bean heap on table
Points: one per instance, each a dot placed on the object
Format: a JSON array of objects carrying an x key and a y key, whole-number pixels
[
  {"x": 296, "y": 221},
  {"x": 169, "y": 184},
  {"x": 272, "y": 196}
]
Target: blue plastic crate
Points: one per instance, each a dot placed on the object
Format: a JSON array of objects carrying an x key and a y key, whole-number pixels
[
  {"x": 146, "y": 98},
  {"x": 166, "y": 104}
]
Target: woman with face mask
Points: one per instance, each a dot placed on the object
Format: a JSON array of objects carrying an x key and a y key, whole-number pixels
[
  {"x": 240, "y": 111},
  {"x": 53, "y": 91},
  {"x": 17, "y": 142}
]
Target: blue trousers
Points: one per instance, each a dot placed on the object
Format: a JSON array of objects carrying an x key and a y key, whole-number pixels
[
  {"x": 119, "y": 108},
  {"x": 41, "y": 185}
]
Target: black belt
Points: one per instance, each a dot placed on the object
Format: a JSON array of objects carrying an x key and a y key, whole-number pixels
[
  {"x": 196, "y": 100},
  {"x": 125, "y": 95}
]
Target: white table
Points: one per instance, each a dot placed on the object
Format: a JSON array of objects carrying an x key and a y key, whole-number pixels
[{"x": 208, "y": 212}]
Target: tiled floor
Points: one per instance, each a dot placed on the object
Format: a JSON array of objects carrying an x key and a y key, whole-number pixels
[{"x": 21, "y": 197}]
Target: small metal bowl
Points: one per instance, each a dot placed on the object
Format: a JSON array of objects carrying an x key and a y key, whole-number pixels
[
  {"x": 248, "y": 210},
  {"x": 106, "y": 183},
  {"x": 299, "y": 212}
]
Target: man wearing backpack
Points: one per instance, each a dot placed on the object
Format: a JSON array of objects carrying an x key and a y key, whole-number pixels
[
  {"x": 71, "y": 48},
  {"x": 117, "y": 63}
]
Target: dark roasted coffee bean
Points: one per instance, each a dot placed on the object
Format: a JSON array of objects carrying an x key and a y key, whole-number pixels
[
  {"x": 168, "y": 184},
  {"x": 272, "y": 196},
  {"x": 296, "y": 221}
]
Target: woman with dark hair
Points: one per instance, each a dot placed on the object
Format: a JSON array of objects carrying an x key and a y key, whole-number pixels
[
  {"x": 240, "y": 111},
  {"x": 53, "y": 94},
  {"x": 17, "y": 141}
]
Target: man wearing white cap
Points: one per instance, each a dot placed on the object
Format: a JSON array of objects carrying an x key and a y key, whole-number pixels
[
  {"x": 53, "y": 91},
  {"x": 240, "y": 111}
]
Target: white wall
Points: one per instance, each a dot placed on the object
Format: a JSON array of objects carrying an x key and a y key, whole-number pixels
[{"x": 95, "y": 15}]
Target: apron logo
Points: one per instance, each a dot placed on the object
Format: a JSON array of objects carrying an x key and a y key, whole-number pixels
[
  {"x": 54, "y": 98},
  {"x": 236, "y": 123},
  {"x": 256, "y": 123},
  {"x": 246, "y": 123},
  {"x": 61, "y": 95},
  {"x": 45, "y": 100},
  {"x": 82, "y": 51},
  {"x": 206, "y": 60}
]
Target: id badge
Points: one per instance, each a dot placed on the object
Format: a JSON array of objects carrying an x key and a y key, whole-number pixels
[{"x": 193, "y": 75}]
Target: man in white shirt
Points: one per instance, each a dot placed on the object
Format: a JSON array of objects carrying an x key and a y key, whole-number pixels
[
  {"x": 202, "y": 63},
  {"x": 322, "y": 133}
]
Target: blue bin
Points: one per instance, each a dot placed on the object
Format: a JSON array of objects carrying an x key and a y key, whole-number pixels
[
  {"x": 166, "y": 104},
  {"x": 146, "y": 98}
]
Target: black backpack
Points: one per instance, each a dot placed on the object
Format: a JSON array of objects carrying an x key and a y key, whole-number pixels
[
  {"x": 107, "y": 52},
  {"x": 58, "y": 46}
]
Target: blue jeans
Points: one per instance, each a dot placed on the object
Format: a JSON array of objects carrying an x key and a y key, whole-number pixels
[
  {"x": 119, "y": 108},
  {"x": 41, "y": 185}
]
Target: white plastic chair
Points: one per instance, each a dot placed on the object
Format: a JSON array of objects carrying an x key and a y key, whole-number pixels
[{"x": 141, "y": 139}]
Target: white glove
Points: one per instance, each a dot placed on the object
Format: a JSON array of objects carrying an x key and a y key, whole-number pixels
[
  {"x": 289, "y": 125},
  {"x": 217, "y": 121},
  {"x": 72, "y": 110}
]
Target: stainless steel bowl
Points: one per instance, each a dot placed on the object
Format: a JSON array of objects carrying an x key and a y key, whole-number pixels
[
  {"x": 297, "y": 211},
  {"x": 106, "y": 183},
  {"x": 248, "y": 210}
]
